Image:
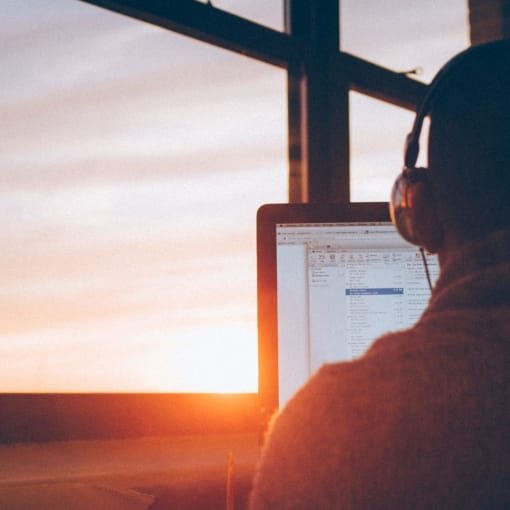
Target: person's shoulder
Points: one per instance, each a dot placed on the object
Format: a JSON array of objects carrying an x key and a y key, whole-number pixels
[
  {"x": 339, "y": 390},
  {"x": 322, "y": 426},
  {"x": 297, "y": 463},
  {"x": 384, "y": 356}
]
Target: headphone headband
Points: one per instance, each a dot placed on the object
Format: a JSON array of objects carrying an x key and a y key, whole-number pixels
[
  {"x": 412, "y": 143},
  {"x": 440, "y": 80}
]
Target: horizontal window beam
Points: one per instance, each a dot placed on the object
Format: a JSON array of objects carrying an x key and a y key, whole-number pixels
[
  {"x": 212, "y": 25},
  {"x": 381, "y": 83}
]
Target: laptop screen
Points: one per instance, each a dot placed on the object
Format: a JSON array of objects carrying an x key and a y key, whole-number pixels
[{"x": 340, "y": 283}]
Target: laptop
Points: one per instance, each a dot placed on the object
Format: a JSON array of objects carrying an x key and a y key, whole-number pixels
[{"x": 330, "y": 280}]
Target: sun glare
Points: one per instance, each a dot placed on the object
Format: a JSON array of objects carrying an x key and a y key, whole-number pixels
[{"x": 214, "y": 360}]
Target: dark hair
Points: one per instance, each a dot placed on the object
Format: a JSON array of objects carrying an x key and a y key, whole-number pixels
[{"x": 469, "y": 142}]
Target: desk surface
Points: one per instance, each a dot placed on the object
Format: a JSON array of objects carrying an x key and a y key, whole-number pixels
[{"x": 143, "y": 473}]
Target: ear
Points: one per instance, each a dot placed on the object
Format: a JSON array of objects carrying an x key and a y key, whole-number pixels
[{"x": 422, "y": 207}]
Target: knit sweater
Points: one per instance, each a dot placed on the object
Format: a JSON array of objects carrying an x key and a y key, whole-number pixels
[{"x": 422, "y": 420}]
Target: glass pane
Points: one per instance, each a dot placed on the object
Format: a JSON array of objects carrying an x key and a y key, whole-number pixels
[
  {"x": 264, "y": 12},
  {"x": 377, "y": 135},
  {"x": 405, "y": 34},
  {"x": 133, "y": 161}
]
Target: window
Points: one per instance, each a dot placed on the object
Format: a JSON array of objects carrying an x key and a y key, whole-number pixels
[
  {"x": 403, "y": 36},
  {"x": 377, "y": 134},
  {"x": 134, "y": 160}
]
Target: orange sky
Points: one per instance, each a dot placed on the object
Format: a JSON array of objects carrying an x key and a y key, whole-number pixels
[{"x": 132, "y": 164}]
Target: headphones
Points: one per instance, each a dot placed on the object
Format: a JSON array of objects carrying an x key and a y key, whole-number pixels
[{"x": 411, "y": 204}]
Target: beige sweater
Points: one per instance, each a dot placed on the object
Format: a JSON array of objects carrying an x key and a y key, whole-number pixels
[{"x": 421, "y": 421}]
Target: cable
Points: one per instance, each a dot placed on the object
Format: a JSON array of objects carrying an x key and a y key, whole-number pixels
[{"x": 425, "y": 264}]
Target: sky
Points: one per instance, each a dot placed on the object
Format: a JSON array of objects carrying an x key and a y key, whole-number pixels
[{"x": 133, "y": 161}]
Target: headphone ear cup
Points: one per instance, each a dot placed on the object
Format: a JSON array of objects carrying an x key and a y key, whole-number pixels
[
  {"x": 400, "y": 208},
  {"x": 413, "y": 211}
]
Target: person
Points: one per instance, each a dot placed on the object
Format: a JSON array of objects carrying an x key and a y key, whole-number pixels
[{"x": 422, "y": 419}]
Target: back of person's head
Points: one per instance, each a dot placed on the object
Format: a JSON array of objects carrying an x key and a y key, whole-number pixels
[
  {"x": 469, "y": 142},
  {"x": 465, "y": 191}
]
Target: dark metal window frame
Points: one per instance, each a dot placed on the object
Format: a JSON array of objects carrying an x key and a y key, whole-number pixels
[{"x": 319, "y": 80}]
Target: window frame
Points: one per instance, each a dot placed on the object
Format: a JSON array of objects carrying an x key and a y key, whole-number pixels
[{"x": 320, "y": 77}]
